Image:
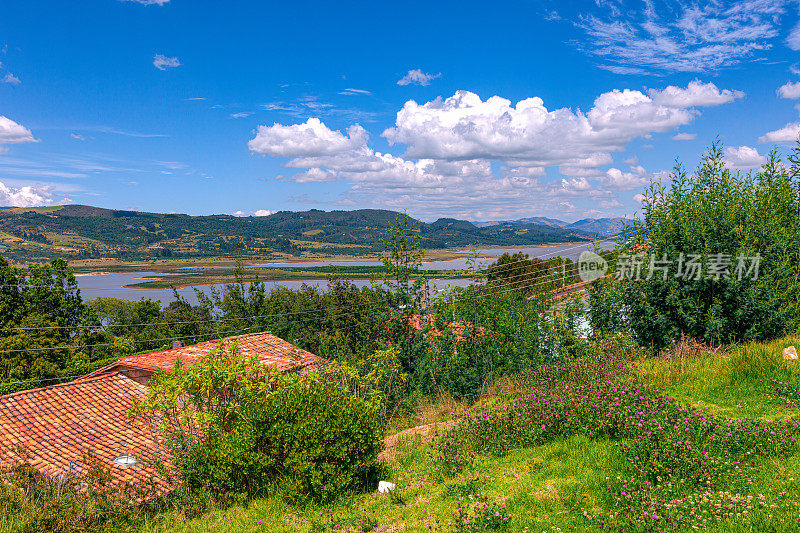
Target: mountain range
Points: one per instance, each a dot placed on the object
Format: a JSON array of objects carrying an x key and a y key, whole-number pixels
[
  {"x": 596, "y": 226},
  {"x": 81, "y": 231}
]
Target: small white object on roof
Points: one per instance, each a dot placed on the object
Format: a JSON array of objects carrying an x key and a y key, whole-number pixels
[
  {"x": 126, "y": 460},
  {"x": 385, "y": 486}
]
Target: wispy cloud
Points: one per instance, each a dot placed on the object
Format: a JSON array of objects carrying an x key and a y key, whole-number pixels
[
  {"x": 10, "y": 78},
  {"x": 619, "y": 69},
  {"x": 148, "y": 2},
  {"x": 417, "y": 77},
  {"x": 243, "y": 114},
  {"x": 115, "y": 131},
  {"x": 684, "y": 137},
  {"x": 793, "y": 40},
  {"x": 672, "y": 36},
  {"x": 312, "y": 106},
  {"x": 354, "y": 92},
  {"x": 162, "y": 62}
]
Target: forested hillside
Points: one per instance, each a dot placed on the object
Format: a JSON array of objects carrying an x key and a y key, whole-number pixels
[{"x": 78, "y": 231}]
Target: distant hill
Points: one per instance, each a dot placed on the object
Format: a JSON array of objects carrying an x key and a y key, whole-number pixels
[
  {"x": 81, "y": 231},
  {"x": 599, "y": 226},
  {"x": 596, "y": 226},
  {"x": 542, "y": 221}
]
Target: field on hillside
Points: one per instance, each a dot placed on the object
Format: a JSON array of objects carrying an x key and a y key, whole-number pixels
[
  {"x": 575, "y": 481},
  {"x": 79, "y": 232}
]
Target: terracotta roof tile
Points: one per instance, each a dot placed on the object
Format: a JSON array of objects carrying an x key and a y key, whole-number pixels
[
  {"x": 460, "y": 328},
  {"x": 59, "y": 426},
  {"x": 265, "y": 346}
]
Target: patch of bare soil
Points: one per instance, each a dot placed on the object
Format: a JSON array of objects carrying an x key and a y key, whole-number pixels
[{"x": 427, "y": 433}]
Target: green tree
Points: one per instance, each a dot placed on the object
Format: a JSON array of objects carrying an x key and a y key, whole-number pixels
[
  {"x": 402, "y": 258},
  {"x": 719, "y": 217}
]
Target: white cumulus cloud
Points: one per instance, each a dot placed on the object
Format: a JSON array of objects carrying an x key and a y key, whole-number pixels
[
  {"x": 417, "y": 77},
  {"x": 28, "y": 196},
  {"x": 743, "y": 158},
  {"x": 624, "y": 181},
  {"x": 311, "y": 138},
  {"x": 790, "y": 90},
  {"x": 257, "y": 213},
  {"x": 785, "y": 135},
  {"x": 696, "y": 94},
  {"x": 13, "y": 133},
  {"x": 479, "y": 159},
  {"x": 465, "y": 127}
]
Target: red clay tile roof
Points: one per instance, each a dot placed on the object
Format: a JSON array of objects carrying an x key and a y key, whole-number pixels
[
  {"x": 460, "y": 328},
  {"x": 265, "y": 346},
  {"x": 60, "y": 425}
]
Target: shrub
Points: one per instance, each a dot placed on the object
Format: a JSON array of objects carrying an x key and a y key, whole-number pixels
[
  {"x": 237, "y": 428},
  {"x": 718, "y": 216}
]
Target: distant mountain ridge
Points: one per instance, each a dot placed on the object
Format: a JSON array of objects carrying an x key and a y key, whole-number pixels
[
  {"x": 596, "y": 226},
  {"x": 82, "y": 231}
]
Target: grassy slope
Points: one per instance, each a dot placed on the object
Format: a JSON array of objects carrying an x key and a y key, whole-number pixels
[
  {"x": 545, "y": 487},
  {"x": 731, "y": 384}
]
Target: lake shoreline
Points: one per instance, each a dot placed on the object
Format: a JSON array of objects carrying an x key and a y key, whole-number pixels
[{"x": 109, "y": 266}]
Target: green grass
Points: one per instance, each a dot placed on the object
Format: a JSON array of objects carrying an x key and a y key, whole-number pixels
[
  {"x": 731, "y": 383},
  {"x": 540, "y": 487},
  {"x": 546, "y": 488}
]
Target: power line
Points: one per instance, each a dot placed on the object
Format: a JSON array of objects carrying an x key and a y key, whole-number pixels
[
  {"x": 553, "y": 253},
  {"x": 213, "y": 320},
  {"x": 302, "y": 339},
  {"x": 154, "y": 367},
  {"x": 222, "y": 320},
  {"x": 539, "y": 280}
]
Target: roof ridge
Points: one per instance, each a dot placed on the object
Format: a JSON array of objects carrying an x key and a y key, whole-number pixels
[
  {"x": 79, "y": 381},
  {"x": 221, "y": 339}
]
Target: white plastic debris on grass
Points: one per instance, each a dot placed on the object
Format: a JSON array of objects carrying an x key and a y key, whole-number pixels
[{"x": 385, "y": 486}]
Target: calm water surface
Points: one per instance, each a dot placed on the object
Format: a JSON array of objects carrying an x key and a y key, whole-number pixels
[{"x": 114, "y": 284}]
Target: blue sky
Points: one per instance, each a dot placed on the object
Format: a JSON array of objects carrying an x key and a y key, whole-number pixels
[{"x": 471, "y": 110}]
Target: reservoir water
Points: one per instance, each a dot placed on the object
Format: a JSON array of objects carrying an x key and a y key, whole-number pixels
[{"x": 93, "y": 286}]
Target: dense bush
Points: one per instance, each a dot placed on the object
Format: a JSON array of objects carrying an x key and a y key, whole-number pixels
[
  {"x": 237, "y": 428},
  {"x": 719, "y": 216}
]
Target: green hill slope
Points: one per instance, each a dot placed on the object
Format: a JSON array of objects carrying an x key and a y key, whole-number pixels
[{"x": 79, "y": 231}]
